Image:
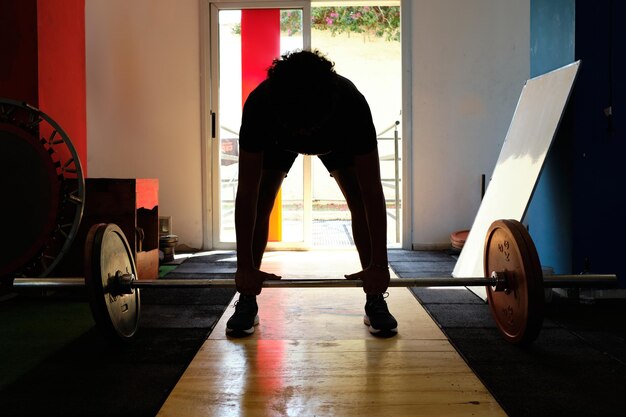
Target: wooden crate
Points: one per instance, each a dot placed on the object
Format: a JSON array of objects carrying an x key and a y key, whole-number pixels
[{"x": 133, "y": 205}]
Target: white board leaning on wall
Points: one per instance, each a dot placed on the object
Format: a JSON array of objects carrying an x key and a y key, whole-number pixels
[{"x": 532, "y": 129}]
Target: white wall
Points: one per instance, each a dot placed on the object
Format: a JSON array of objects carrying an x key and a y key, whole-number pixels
[
  {"x": 470, "y": 60},
  {"x": 143, "y": 101}
]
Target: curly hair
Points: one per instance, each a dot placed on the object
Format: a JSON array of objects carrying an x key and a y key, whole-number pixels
[{"x": 300, "y": 65}]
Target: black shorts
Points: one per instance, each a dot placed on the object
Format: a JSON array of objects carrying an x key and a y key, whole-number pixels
[{"x": 282, "y": 160}]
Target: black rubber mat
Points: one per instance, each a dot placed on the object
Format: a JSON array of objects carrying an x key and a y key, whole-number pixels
[
  {"x": 576, "y": 367},
  {"x": 54, "y": 362}
]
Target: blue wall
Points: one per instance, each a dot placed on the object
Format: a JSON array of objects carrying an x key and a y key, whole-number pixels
[
  {"x": 600, "y": 139},
  {"x": 549, "y": 215}
]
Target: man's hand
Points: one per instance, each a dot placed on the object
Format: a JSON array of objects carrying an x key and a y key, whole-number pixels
[
  {"x": 375, "y": 279},
  {"x": 250, "y": 281}
]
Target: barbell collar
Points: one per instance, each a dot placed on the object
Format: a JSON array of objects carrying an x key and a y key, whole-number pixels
[{"x": 122, "y": 283}]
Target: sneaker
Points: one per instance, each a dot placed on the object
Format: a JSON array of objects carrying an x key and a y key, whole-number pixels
[
  {"x": 242, "y": 322},
  {"x": 378, "y": 317}
]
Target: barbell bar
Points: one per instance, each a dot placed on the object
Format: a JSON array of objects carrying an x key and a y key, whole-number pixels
[
  {"x": 513, "y": 279},
  {"x": 557, "y": 281}
]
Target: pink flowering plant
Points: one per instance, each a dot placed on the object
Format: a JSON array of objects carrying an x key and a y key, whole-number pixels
[
  {"x": 291, "y": 21},
  {"x": 380, "y": 21}
]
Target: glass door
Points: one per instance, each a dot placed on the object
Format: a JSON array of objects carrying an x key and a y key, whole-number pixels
[{"x": 363, "y": 41}]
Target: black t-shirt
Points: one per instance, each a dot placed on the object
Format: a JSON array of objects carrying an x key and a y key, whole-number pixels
[{"x": 348, "y": 129}]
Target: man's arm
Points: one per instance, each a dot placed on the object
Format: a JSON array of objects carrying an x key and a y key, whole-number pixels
[
  {"x": 250, "y": 169},
  {"x": 248, "y": 278}
]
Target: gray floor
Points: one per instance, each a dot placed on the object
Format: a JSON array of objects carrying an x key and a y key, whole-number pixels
[{"x": 332, "y": 233}]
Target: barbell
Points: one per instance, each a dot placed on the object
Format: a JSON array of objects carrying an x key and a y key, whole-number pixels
[
  {"x": 513, "y": 279},
  {"x": 513, "y": 275}
]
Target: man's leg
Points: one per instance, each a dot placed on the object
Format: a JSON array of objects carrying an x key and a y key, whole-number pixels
[
  {"x": 377, "y": 316},
  {"x": 271, "y": 181},
  {"x": 349, "y": 186}
]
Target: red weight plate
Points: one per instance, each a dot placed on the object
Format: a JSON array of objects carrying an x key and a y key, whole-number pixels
[
  {"x": 518, "y": 311},
  {"x": 107, "y": 252}
]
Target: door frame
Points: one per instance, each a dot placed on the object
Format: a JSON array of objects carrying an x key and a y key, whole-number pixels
[{"x": 209, "y": 106}]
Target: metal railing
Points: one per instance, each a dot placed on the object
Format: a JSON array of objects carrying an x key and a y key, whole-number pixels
[{"x": 395, "y": 181}]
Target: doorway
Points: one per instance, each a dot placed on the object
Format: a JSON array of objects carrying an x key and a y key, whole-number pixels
[{"x": 310, "y": 211}]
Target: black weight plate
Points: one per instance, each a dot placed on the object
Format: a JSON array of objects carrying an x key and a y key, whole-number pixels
[
  {"x": 42, "y": 180},
  {"x": 106, "y": 252}
]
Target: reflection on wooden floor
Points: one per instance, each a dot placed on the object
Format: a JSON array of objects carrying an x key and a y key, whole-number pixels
[{"x": 311, "y": 355}]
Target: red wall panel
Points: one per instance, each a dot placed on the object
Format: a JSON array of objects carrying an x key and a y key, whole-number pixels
[
  {"x": 62, "y": 85},
  {"x": 43, "y": 61},
  {"x": 260, "y": 44}
]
